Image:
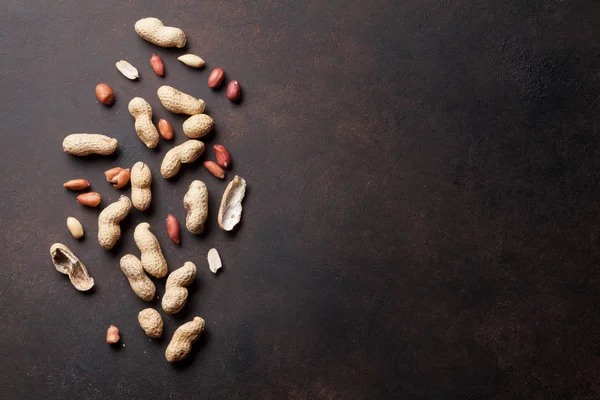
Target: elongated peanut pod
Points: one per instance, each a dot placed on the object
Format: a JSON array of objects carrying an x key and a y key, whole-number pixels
[
  {"x": 152, "y": 257},
  {"x": 84, "y": 144},
  {"x": 141, "y": 285},
  {"x": 141, "y": 111},
  {"x": 183, "y": 338},
  {"x": 176, "y": 292},
  {"x": 109, "y": 231},
  {"x": 141, "y": 179},
  {"x": 179, "y": 102},
  {"x": 183, "y": 154},
  {"x": 195, "y": 202},
  {"x": 155, "y": 32}
]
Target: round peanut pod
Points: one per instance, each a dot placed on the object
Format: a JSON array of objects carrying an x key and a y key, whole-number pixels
[
  {"x": 176, "y": 292},
  {"x": 151, "y": 322},
  {"x": 155, "y": 32},
  {"x": 198, "y": 126},
  {"x": 84, "y": 144},
  {"x": 109, "y": 231},
  {"x": 141, "y": 111},
  {"x": 181, "y": 344},
  {"x": 179, "y": 102},
  {"x": 141, "y": 179},
  {"x": 184, "y": 153},
  {"x": 195, "y": 202},
  {"x": 152, "y": 257},
  {"x": 141, "y": 285}
]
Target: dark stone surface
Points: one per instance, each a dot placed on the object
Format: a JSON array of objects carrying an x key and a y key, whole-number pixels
[{"x": 422, "y": 214}]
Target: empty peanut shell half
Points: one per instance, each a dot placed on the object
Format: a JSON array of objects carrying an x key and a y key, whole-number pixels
[
  {"x": 67, "y": 263},
  {"x": 230, "y": 211}
]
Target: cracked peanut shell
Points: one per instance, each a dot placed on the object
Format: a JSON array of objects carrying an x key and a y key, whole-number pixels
[
  {"x": 230, "y": 211},
  {"x": 67, "y": 263}
]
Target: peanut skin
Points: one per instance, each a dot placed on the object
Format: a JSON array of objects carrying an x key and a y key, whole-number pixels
[
  {"x": 151, "y": 322},
  {"x": 155, "y": 32},
  {"x": 176, "y": 292},
  {"x": 141, "y": 285},
  {"x": 109, "y": 231},
  {"x": 141, "y": 179},
  {"x": 84, "y": 144},
  {"x": 195, "y": 202},
  {"x": 183, "y": 338},
  {"x": 179, "y": 102},
  {"x": 185, "y": 153},
  {"x": 152, "y": 258},
  {"x": 141, "y": 111}
]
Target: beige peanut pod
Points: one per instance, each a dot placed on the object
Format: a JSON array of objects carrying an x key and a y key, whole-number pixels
[
  {"x": 109, "y": 231},
  {"x": 141, "y": 111},
  {"x": 152, "y": 257},
  {"x": 184, "y": 153},
  {"x": 198, "y": 126},
  {"x": 151, "y": 322},
  {"x": 183, "y": 338},
  {"x": 155, "y": 32},
  {"x": 230, "y": 211},
  {"x": 195, "y": 202},
  {"x": 179, "y": 102},
  {"x": 141, "y": 179},
  {"x": 176, "y": 292},
  {"x": 141, "y": 285},
  {"x": 67, "y": 263},
  {"x": 84, "y": 144}
]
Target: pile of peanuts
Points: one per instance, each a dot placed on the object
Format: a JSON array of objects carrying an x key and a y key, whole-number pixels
[{"x": 151, "y": 260}]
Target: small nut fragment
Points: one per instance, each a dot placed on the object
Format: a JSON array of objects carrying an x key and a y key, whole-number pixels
[
  {"x": 75, "y": 227},
  {"x": 76, "y": 184},
  {"x": 128, "y": 70},
  {"x": 165, "y": 129},
  {"x": 191, "y": 60},
  {"x": 230, "y": 211},
  {"x": 198, "y": 125},
  {"x": 91, "y": 199},
  {"x": 112, "y": 335},
  {"x": 157, "y": 65},
  {"x": 105, "y": 94},
  {"x": 151, "y": 322},
  {"x": 233, "y": 91},
  {"x": 118, "y": 176},
  {"x": 214, "y": 260},
  {"x": 67, "y": 263},
  {"x": 173, "y": 228},
  {"x": 223, "y": 157},
  {"x": 214, "y": 169},
  {"x": 215, "y": 79}
]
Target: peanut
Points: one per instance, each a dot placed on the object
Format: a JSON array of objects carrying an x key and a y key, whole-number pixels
[
  {"x": 198, "y": 125},
  {"x": 118, "y": 176},
  {"x": 176, "y": 292},
  {"x": 179, "y": 102},
  {"x": 155, "y": 32},
  {"x": 76, "y": 184},
  {"x": 109, "y": 231},
  {"x": 90, "y": 199},
  {"x": 152, "y": 257},
  {"x": 230, "y": 211},
  {"x": 141, "y": 179},
  {"x": 165, "y": 129},
  {"x": 195, "y": 202},
  {"x": 83, "y": 144},
  {"x": 141, "y": 111},
  {"x": 215, "y": 79},
  {"x": 233, "y": 91},
  {"x": 112, "y": 335},
  {"x": 214, "y": 261},
  {"x": 157, "y": 65},
  {"x": 142, "y": 286},
  {"x": 67, "y": 263},
  {"x": 184, "y": 153},
  {"x": 151, "y": 322},
  {"x": 223, "y": 157},
  {"x": 75, "y": 227},
  {"x": 128, "y": 70},
  {"x": 173, "y": 228},
  {"x": 191, "y": 60},
  {"x": 111, "y": 173},
  {"x": 214, "y": 169},
  {"x": 105, "y": 94},
  {"x": 183, "y": 338}
]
